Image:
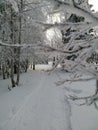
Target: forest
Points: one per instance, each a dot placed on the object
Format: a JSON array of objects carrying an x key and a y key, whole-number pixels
[{"x": 48, "y": 53}]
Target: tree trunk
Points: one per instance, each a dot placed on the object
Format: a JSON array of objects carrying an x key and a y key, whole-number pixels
[
  {"x": 19, "y": 49},
  {"x": 12, "y": 42},
  {"x": 12, "y": 74},
  {"x": 27, "y": 64},
  {"x": 3, "y": 71},
  {"x": 18, "y": 74},
  {"x": 33, "y": 66},
  {"x": 7, "y": 71},
  {"x": 18, "y": 66},
  {"x": 96, "y": 86},
  {"x": 15, "y": 68},
  {"x": 53, "y": 61}
]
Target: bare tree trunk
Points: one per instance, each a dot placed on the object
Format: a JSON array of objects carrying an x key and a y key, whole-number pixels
[
  {"x": 18, "y": 74},
  {"x": 12, "y": 42},
  {"x": 18, "y": 66},
  {"x": 19, "y": 49},
  {"x": 3, "y": 71},
  {"x": 26, "y": 65},
  {"x": 96, "y": 86},
  {"x": 7, "y": 71},
  {"x": 33, "y": 65},
  {"x": 53, "y": 61},
  {"x": 12, "y": 74},
  {"x": 3, "y": 65}
]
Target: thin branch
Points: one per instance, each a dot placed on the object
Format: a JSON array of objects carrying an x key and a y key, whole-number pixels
[
  {"x": 16, "y": 45},
  {"x": 73, "y": 80},
  {"x": 53, "y": 25},
  {"x": 85, "y": 11},
  {"x": 49, "y": 48},
  {"x": 91, "y": 99}
]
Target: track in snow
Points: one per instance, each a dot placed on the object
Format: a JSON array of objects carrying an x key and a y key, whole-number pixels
[{"x": 45, "y": 108}]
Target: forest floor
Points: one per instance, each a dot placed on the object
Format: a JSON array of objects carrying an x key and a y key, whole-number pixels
[{"x": 38, "y": 104}]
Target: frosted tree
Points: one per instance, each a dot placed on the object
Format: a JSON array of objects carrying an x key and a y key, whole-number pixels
[
  {"x": 19, "y": 28},
  {"x": 81, "y": 41},
  {"x": 83, "y": 46}
]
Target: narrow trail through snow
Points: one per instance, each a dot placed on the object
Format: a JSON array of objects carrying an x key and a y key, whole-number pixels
[{"x": 45, "y": 108}]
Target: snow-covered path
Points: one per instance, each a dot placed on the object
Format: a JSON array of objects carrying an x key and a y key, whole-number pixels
[{"x": 44, "y": 108}]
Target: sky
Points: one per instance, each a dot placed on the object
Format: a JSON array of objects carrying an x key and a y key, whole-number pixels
[{"x": 95, "y": 4}]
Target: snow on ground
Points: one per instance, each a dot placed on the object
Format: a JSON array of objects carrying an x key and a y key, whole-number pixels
[
  {"x": 38, "y": 104},
  {"x": 85, "y": 117},
  {"x": 43, "y": 67}
]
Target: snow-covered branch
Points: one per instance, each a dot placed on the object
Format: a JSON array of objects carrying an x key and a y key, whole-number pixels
[
  {"x": 72, "y": 6},
  {"x": 15, "y": 45},
  {"x": 61, "y": 25},
  {"x": 73, "y": 80},
  {"x": 49, "y": 48}
]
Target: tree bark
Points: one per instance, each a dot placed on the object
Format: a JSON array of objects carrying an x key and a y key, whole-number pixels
[
  {"x": 26, "y": 65},
  {"x": 19, "y": 49},
  {"x": 12, "y": 74},
  {"x": 3, "y": 71},
  {"x": 33, "y": 66},
  {"x": 18, "y": 67}
]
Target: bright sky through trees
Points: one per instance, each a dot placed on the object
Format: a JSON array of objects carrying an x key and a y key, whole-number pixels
[{"x": 95, "y": 4}]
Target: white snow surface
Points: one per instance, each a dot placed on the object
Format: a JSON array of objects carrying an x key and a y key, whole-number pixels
[{"x": 38, "y": 104}]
